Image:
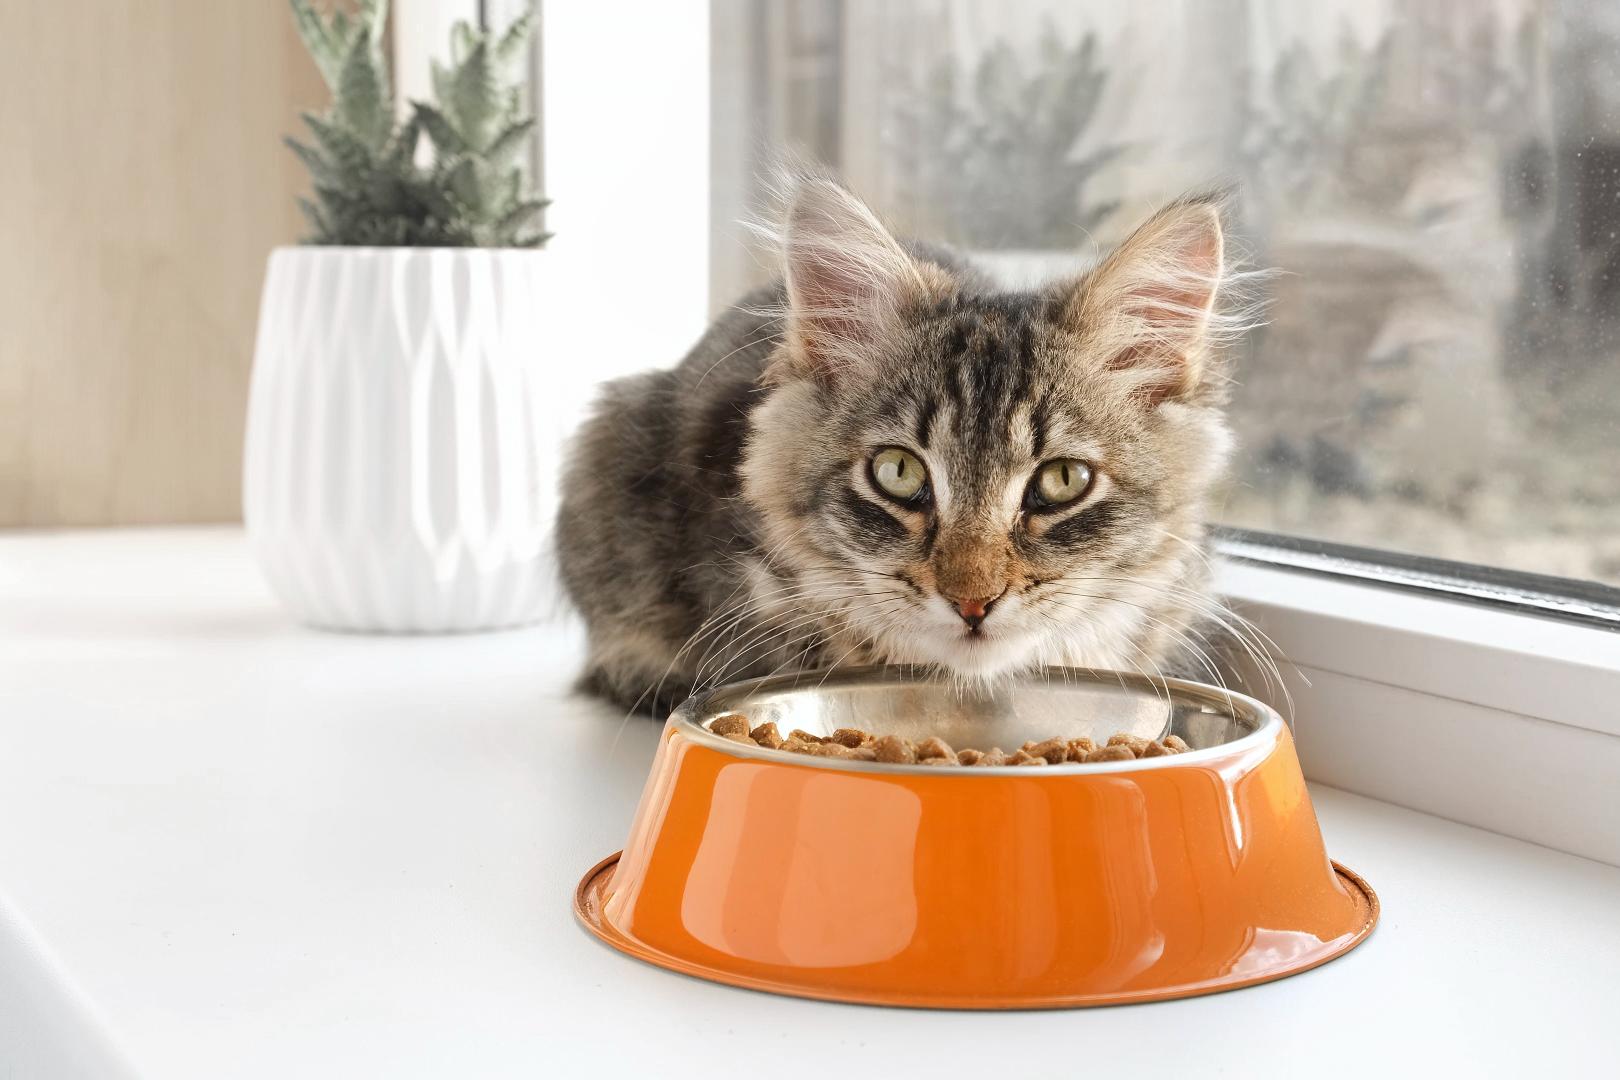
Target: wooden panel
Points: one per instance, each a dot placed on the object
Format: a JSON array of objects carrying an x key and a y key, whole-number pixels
[{"x": 142, "y": 184}]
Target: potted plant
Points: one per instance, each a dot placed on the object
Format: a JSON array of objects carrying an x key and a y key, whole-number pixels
[{"x": 391, "y": 478}]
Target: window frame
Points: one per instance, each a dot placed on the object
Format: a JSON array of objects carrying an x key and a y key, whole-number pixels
[{"x": 1590, "y": 602}]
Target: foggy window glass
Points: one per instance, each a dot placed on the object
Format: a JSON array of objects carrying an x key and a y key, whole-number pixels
[{"x": 1437, "y": 183}]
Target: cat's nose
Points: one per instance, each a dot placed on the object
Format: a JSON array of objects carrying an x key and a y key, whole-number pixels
[{"x": 974, "y": 609}]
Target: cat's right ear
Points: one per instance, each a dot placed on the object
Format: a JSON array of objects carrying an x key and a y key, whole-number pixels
[{"x": 848, "y": 283}]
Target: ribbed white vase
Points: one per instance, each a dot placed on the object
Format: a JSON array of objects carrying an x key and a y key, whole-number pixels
[{"x": 398, "y": 472}]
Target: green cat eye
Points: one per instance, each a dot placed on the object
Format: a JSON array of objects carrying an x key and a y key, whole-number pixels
[
  {"x": 1058, "y": 483},
  {"x": 899, "y": 473}
]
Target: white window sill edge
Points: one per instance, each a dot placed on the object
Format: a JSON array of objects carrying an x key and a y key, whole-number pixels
[{"x": 1489, "y": 717}]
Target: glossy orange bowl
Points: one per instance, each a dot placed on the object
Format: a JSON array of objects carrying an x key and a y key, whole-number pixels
[{"x": 1010, "y": 887}]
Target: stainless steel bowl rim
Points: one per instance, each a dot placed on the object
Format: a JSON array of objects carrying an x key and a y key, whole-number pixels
[{"x": 686, "y": 719}]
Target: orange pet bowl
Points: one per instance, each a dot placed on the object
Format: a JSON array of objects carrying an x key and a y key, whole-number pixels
[{"x": 990, "y": 888}]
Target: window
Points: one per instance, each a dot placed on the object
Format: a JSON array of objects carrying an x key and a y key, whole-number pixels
[{"x": 1439, "y": 183}]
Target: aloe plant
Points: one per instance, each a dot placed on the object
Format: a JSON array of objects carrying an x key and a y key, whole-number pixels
[{"x": 368, "y": 186}]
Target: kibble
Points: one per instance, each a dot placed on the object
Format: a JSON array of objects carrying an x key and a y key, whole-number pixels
[
  {"x": 767, "y": 736},
  {"x": 1079, "y": 748},
  {"x": 730, "y": 724},
  {"x": 894, "y": 750},
  {"x": 853, "y": 744},
  {"x": 1135, "y": 742},
  {"x": 1053, "y": 751}
]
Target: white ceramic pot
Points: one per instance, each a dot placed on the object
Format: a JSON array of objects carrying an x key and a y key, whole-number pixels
[{"x": 398, "y": 469}]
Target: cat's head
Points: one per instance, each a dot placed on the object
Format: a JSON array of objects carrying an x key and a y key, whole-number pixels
[{"x": 984, "y": 480}]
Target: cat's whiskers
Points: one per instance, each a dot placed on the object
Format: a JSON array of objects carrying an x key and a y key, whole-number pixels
[
  {"x": 756, "y": 604},
  {"x": 1064, "y": 630},
  {"x": 764, "y": 632},
  {"x": 742, "y": 654},
  {"x": 1196, "y": 651},
  {"x": 876, "y": 609},
  {"x": 1256, "y": 644},
  {"x": 657, "y": 688},
  {"x": 723, "y": 636}
]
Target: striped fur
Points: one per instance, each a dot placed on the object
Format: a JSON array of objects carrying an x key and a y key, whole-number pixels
[{"x": 720, "y": 519}]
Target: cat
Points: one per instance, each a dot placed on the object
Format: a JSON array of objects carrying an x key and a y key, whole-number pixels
[{"x": 883, "y": 458}]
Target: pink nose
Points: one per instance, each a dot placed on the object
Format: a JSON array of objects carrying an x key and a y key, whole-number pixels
[{"x": 973, "y": 609}]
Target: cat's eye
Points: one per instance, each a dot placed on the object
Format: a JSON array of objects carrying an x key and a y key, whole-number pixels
[
  {"x": 899, "y": 474},
  {"x": 1058, "y": 483}
]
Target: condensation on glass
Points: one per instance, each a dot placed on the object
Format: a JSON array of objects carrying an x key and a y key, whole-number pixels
[{"x": 1438, "y": 183}]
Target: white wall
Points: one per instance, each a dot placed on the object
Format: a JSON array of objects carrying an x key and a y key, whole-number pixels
[{"x": 627, "y": 166}]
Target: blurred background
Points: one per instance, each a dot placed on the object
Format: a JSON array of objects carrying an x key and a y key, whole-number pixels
[{"x": 1437, "y": 180}]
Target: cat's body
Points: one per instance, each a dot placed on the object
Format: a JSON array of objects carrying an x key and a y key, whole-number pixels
[
  {"x": 648, "y": 562},
  {"x": 885, "y": 459}
]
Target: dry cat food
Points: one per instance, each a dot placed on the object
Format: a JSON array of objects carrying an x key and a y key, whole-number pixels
[{"x": 853, "y": 744}]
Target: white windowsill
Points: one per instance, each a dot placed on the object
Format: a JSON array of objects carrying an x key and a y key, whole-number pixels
[
  {"x": 238, "y": 847},
  {"x": 1497, "y": 719},
  {"x": 1565, "y": 672}
]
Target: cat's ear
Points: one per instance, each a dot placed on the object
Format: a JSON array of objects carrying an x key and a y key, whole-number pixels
[
  {"x": 1150, "y": 312},
  {"x": 849, "y": 282}
]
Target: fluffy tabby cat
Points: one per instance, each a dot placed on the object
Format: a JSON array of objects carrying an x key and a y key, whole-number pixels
[{"x": 883, "y": 458}]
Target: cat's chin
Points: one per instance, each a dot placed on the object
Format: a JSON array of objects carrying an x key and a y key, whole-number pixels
[{"x": 979, "y": 657}]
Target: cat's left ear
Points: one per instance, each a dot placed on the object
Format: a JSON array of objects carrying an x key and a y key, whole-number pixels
[
  {"x": 849, "y": 283},
  {"x": 1149, "y": 312}
]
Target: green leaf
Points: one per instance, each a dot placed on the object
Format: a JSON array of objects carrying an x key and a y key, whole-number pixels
[
  {"x": 531, "y": 240},
  {"x": 512, "y": 139},
  {"x": 374, "y": 17},
  {"x": 362, "y": 102},
  {"x": 348, "y": 155},
  {"x": 340, "y": 202},
  {"x": 462, "y": 41},
  {"x": 463, "y": 181},
  {"x": 516, "y": 38},
  {"x": 401, "y": 155},
  {"x": 518, "y": 216},
  {"x": 326, "y": 52},
  {"x": 318, "y": 166},
  {"x": 442, "y": 83},
  {"x": 437, "y": 201},
  {"x": 387, "y": 193},
  {"x": 474, "y": 97},
  {"x": 313, "y": 215},
  {"x": 447, "y": 141}
]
